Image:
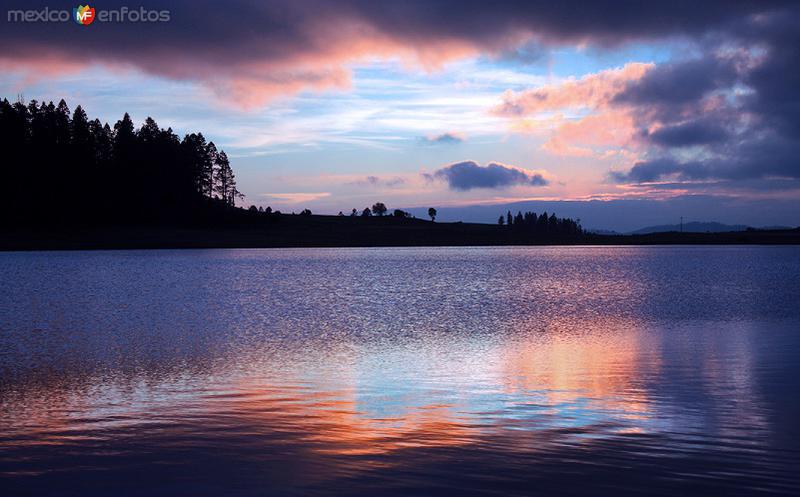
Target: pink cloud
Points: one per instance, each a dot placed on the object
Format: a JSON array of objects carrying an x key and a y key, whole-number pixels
[
  {"x": 589, "y": 92},
  {"x": 613, "y": 129},
  {"x": 603, "y": 130}
]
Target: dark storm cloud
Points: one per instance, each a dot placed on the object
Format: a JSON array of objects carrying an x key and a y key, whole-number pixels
[
  {"x": 252, "y": 50},
  {"x": 698, "y": 132},
  {"x": 740, "y": 101},
  {"x": 597, "y": 21},
  {"x": 648, "y": 171},
  {"x": 468, "y": 175},
  {"x": 776, "y": 81},
  {"x": 680, "y": 82},
  {"x": 769, "y": 158}
]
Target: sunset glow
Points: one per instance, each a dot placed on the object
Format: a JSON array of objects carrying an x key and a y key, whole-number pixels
[{"x": 344, "y": 103}]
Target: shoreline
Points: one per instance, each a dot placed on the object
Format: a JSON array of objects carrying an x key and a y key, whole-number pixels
[{"x": 335, "y": 232}]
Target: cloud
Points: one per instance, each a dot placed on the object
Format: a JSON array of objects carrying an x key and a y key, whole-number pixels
[
  {"x": 776, "y": 78},
  {"x": 768, "y": 158},
  {"x": 748, "y": 105},
  {"x": 467, "y": 175},
  {"x": 696, "y": 132},
  {"x": 679, "y": 82},
  {"x": 449, "y": 137},
  {"x": 250, "y": 52},
  {"x": 600, "y": 126},
  {"x": 593, "y": 134},
  {"x": 376, "y": 181},
  {"x": 591, "y": 91},
  {"x": 727, "y": 113},
  {"x": 526, "y": 54},
  {"x": 297, "y": 197},
  {"x": 648, "y": 171}
]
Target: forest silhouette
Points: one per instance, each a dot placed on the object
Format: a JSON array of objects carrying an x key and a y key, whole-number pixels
[
  {"x": 64, "y": 168},
  {"x": 74, "y": 182}
]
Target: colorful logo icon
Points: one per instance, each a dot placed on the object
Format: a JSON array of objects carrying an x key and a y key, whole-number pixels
[{"x": 83, "y": 14}]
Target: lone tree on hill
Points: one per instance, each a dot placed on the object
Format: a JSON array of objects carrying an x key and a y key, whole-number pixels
[
  {"x": 432, "y": 214},
  {"x": 379, "y": 209}
]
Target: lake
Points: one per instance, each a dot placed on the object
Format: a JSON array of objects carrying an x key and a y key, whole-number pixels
[{"x": 401, "y": 371}]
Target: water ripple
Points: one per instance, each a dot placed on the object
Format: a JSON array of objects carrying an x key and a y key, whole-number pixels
[{"x": 435, "y": 371}]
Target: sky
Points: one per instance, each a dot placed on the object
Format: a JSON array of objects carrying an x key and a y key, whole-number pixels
[{"x": 666, "y": 108}]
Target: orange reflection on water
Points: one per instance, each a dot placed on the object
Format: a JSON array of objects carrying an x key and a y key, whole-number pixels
[
  {"x": 605, "y": 369},
  {"x": 335, "y": 422},
  {"x": 342, "y": 411},
  {"x": 522, "y": 393}
]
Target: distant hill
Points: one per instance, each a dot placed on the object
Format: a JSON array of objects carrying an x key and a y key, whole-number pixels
[
  {"x": 626, "y": 215},
  {"x": 693, "y": 227}
]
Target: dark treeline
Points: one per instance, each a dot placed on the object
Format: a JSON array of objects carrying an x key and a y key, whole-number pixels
[
  {"x": 63, "y": 168},
  {"x": 542, "y": 224}
]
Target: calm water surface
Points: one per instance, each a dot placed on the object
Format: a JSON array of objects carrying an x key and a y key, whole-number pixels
[{"x": 414, "y": 371}]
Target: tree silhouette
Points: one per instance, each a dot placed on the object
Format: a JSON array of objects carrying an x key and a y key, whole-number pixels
[
  {"x": 432, "y": 214},
  {"x": 366, "y": 212},
  {"x": 224, "y": 183},
  {"x": 543, "y": 226},
  {"x": 199, "y": 157},
  {"x": 84, "y": 171},
  {"x": 379, "y": 209}
]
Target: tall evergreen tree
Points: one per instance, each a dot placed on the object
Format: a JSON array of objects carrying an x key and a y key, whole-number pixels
[{"x": 224, "y": 180}]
